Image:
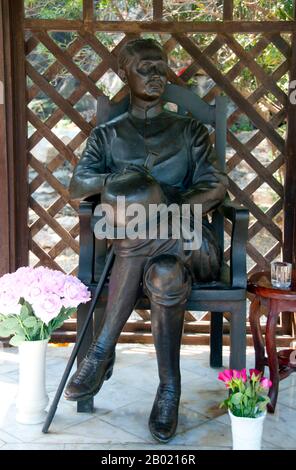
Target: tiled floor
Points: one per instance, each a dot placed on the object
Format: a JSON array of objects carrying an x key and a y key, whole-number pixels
[{"x": 124, "y": 403}]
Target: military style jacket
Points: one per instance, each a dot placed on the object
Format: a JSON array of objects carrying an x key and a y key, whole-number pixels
[{"x": 183, "y": 157}]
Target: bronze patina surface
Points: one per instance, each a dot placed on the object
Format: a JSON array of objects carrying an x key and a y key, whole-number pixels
[{"x": 171, "y": 158}]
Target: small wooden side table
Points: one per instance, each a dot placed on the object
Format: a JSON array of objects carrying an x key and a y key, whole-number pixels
[{"x": 276, "y": 301}]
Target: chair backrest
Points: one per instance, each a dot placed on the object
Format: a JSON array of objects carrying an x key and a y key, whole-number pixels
[{"x": 187, "y": 103}]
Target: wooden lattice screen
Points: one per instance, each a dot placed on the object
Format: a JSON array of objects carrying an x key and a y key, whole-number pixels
[{"x": 255, "y": 157}]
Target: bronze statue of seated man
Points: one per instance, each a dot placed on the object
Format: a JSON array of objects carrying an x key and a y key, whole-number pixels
[{"x": 183, "y": 166}]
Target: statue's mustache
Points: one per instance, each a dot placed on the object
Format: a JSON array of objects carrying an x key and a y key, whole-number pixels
[{"x": 157, "y": 81}]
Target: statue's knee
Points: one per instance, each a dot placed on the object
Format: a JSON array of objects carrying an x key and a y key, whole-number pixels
[
  {"x": 165, "y": 271},
  {"x": 166, "y": 281}
]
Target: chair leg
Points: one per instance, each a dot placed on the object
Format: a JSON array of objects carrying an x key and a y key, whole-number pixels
[
  {"x": 216, "y": 339},
  {"x": 238, "y": 337},
  {"x": 85, "y": 406}
]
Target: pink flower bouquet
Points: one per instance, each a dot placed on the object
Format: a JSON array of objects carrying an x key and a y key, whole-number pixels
[
  {"x": 36, "y": 301},
  {"x": 248, "y": 393}
]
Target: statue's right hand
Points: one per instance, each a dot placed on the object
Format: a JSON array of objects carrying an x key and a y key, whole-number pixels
[
  {"x": 132, "y": 168},
  {"x": 111, "y": 177}
]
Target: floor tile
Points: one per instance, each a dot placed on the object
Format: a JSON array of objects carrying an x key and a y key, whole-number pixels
[
  {"x": 287, "y": 396},
  {"x": 280, "y": 428},
  {"x": 123, "y": 405},
  {"x": 144, "y": 377},
  {"x": 67, "y": 415},
  {"x": 126, "y": 356},
  {"x": 23, "y": 432},
  {"x": 134, "y": 417},
  {"x": 161, "y": 447},
  {"x": 8, "y": 438},
  {"x": 92, "y": 446},
  {"x": 288, "y": 382},
  {"x": 94, "y": 431},
  {"x": 33, "y": 446},
  {"x": 8, "y": 392},
  {"x": 204, "y": 396},
  {"x": 9, "y": 360},
  {"x": 208, "y": 434},
  {"x": 115, "y": 394}
]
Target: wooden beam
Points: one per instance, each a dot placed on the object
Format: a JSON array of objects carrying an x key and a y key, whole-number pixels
[
  {"x": 33, "y": 24},
  {"x": 256, "y": 69},
  {"x": 53, "y": 224},
  {"x": 138, "y": 27},
  {"x": 254, "y": 163},
  {"x": 13, "y": 166},
  {"x": 66, "y": 60},
  {"x": 61, "y": 102},
  {"x": 228, "y": 10},
  {"x": 230, "y": 90},
  {"x": 55, "y": 68}
]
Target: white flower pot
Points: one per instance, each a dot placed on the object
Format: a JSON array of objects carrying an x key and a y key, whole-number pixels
[
  {"x": 32, "y": 398},
  {"x": 246, "y": 432}
]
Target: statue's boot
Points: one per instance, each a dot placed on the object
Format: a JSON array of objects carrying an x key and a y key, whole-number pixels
[
  {"x": 89, "y": 377},
  {"x": 163, "y": 419},
  {"x": 167, "y": 328},
  {"x": 168, "y": 286},
  {"x": 97, "y": 366}
]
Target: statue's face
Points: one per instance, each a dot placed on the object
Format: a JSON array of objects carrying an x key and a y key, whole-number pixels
[{"x": 146, "y": 74}]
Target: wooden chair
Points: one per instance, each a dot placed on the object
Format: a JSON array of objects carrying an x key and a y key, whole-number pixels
[{"x": 228, "y": 294}]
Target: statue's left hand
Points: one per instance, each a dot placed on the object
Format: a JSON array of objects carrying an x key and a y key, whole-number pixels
[{"x": 137, "y": 168}]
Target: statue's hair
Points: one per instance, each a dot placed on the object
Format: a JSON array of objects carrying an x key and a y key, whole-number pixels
[{"x": 136, "y": 45}]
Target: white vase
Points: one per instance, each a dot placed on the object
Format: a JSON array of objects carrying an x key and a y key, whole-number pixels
[
  {"x": 32, "y": 398},
  {"x": 246, "y": 432}
]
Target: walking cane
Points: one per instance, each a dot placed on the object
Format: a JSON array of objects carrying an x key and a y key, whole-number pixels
[{"x": 54, "y": 405}]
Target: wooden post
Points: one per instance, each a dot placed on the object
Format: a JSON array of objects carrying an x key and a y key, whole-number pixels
[
  {"x": 157, "y": 9},
  {"x": 13, "y": 160},
  {"x": 88, "y": 11},
  {"x": 228, "y": 10},
  {"x": 289, "y": 247},
  {"x": 4, "y": 219},
  {"x": 289, "y": 251}
]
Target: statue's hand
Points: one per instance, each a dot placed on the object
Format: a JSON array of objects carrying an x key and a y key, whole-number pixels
[
  {"x": 137, "y": 168},
  {"x": 132, "y": 168},
  {"x": 110, "y": 177}
]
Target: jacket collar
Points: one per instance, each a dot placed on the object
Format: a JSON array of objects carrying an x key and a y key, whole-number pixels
[{"x": 146, "y": 113}]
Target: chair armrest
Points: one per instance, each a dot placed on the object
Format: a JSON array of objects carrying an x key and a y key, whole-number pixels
[
  {"x": 239, "y": 216},
  {"x": 86, "y": 241}
]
